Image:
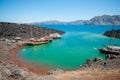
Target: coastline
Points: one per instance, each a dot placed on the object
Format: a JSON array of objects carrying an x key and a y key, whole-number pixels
[
  {"x": 14, "y": 68},
  {"x": 38, "y": 69},
  {"x": 19, "y": 69}
]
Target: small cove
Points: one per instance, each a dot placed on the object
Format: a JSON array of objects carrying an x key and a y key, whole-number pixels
[{"x": 77, "y": 44}]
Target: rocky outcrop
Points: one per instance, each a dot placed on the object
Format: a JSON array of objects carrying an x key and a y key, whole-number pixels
[
  {"x": 111, "y": 62},
  {"x": 12, "y": 30},
  {"x": 113, "y": 33}
]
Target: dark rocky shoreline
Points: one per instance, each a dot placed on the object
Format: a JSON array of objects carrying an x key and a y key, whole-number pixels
[
  {"x": 10, "y": 71},
  {"x": 12, "y": 30},
  {"x": 111, "y": 62},
  {"x": 113, "y": 33}
]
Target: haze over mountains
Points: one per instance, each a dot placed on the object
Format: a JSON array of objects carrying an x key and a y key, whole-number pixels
[{"x": 97, "y": 20}]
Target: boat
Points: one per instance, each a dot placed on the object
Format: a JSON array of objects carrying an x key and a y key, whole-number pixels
[
  {"x": 36, "y": 42},
  {"x": 47, "y": 38},
  {"x": 111, "y": 48},
  {"x": 55, "y": 36}
]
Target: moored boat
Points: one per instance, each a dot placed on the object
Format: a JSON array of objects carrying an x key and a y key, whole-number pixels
[
  {"x": 36, "y": 42},
  {"x": 111, "y": 49},
  {"x": 55, "y": 36}
]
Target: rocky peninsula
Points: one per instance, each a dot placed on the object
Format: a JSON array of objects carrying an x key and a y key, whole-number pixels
[
  {"x": 113, "y": 33},
  {"x": 12, "y": 30},
  {"x": 96, "y": 69}
]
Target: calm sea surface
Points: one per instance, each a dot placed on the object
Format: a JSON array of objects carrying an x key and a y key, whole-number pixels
[{"x": 77, "y": 44}]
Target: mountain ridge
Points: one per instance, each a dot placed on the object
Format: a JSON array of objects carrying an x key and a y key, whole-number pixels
[{"x": 97, "y": 20}]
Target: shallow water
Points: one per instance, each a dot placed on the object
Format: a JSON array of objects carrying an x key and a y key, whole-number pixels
[{"x": 77, "y": 44}]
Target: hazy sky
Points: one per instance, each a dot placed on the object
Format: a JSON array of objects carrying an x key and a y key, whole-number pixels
[{"x": 62, "y": 10}]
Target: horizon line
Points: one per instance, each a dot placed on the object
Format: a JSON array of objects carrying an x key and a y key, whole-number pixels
[{"x": 60, "y": 20}]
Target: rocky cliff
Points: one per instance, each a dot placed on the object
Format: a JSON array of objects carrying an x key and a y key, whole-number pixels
[{"x": 113, "y": 33}]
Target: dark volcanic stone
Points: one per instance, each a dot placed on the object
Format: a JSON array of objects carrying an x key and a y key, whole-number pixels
[
  {"x": 111, "y": 62},
  {"x": 15, "y": 75},
  {"x": 12, "y": 30},
  {"x": 113, "y": 33},
  {"x": 111, "y": 56}
]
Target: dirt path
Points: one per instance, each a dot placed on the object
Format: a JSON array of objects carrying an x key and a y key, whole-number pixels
[{"x": 90, "y": 75}]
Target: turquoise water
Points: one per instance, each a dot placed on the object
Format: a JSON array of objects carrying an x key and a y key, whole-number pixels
[{"x": 77, "y": 44}]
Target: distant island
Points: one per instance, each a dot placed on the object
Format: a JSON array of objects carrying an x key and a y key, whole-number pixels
[{"x": 97, "y": 20}]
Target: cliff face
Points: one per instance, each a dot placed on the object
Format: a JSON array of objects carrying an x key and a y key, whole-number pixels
[
  {"x": 12, "y": 30},
  {"x": 105, "y": 20}
]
